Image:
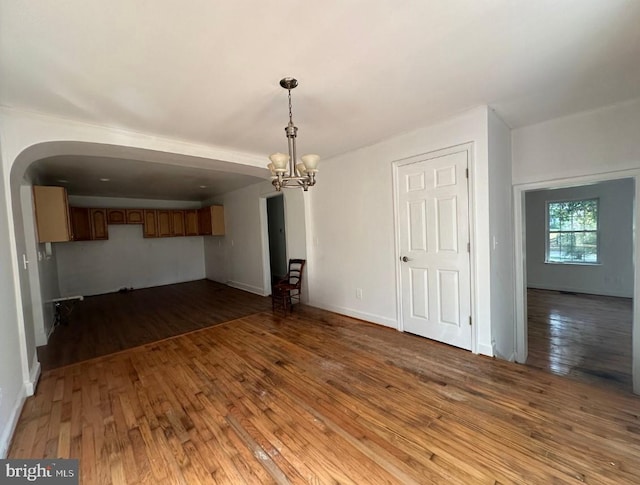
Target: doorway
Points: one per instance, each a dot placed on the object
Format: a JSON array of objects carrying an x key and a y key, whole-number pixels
[
  {"x": 277, "y": 238},
  {"x": 576, "y": 317}
]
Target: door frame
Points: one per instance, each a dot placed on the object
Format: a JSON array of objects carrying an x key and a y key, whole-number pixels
[
  {"x": 396, "y": 164},
  {"x": 264, "y": 236},
  {"x": 519, "y": 208}
]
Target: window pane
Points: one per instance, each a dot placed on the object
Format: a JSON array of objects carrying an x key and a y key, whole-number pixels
[{"x": 572, "y": 231}]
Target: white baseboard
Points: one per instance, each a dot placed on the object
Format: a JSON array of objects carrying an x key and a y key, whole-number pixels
[
  {"x": 485, "y": 349},
  {"x": 34, "y": 376},
  {"x": 12, "y": 422},
  {"x": 350, "y": 312},
  {"x": 250, "y": 288}
]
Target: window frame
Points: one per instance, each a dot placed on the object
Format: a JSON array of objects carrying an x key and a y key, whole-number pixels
[{"x": 548, "y": 232}]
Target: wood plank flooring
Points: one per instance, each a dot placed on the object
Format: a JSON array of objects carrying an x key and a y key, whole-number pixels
[
  {"x": 105, "y": 324},
  {"x": 321, "y": 398},
  {"x": 582, "y": 337}
]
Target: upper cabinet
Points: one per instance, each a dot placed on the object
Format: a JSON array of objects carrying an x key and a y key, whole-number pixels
[
  {"x": 177, "y": 223},
  {"x": 89, "y": 224},
  {"x": 163, "y": 223},
  {"x": 98, "y": 219},
  {"x": 211, "y": 220},
  {"x": 117, "y": 216},
  {"x": 80, "y": 223},
  {"x": 150, "y": 226},
  {"x": 52, "y": 214},
  {"x": 57, "y": 222},
  {"x": 217, "y": 220},
  {"x": 135, "y": 216},
  {"x": 191, "y": 222}
]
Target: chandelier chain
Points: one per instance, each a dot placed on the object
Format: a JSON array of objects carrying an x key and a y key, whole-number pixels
[{"x": 290, "y": 115}]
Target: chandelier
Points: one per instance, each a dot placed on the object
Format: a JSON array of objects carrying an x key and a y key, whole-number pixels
[{"x": 299, "y": 175}]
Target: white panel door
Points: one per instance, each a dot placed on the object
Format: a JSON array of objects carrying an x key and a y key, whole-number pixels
[{"x": 433, "y": 212}]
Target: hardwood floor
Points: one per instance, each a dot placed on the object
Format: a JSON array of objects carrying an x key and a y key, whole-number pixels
[
  {"x": 321, "y": 398},
  {"x": 105, "y": 324},
  {"x": 582, "y": 337}
]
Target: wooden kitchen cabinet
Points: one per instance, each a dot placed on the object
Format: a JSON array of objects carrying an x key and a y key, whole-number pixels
[
  {"x": 80, "y": 223},
  {"x": 191, "y": 222},
  {"x": 89, "y": 224},
  {"x": 135, "y": 216},
  {"x": 150, "y": 227},
  {"x": 163, "y": 223},
  {"x": 98, "y": 219},
  {"x": 204, "y": 221},
  {"x": 211, "y": 220},
  {"x": 52, "y": 214},
  {"x": 217, "y": 220},
  {"x": 177, "y": 223},
  {"x": 117, "y": 216}
]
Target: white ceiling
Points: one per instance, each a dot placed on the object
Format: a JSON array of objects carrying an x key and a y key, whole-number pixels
[{"x": 208, "y": 72}]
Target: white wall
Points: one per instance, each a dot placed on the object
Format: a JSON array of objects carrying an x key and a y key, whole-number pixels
[
  {"x": 502, "y": 249},
  {"x": 614, "y": 275},
  {"x": 126, "y": 259},
  {"x": 352, "y": 229},
  {"x": 240, "y": 258},
  {"x": 599, "y": 141},
  {"x": 12, "y": 344}
]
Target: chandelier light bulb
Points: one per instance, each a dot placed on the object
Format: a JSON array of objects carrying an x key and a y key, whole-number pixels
[
  {"x": 279, "y": 161},
  {"x": 310, "y": 161}
]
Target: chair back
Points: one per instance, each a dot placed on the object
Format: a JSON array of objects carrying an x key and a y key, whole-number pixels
[{"x": 296, "y": 268}]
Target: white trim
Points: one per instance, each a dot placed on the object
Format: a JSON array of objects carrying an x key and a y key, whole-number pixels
[
  {"x": 10, "y": 427},
  {"x": 245, "y": 287},
  {"x": 519, "y": 209},
  {"x": 485, "y": 349},
  {"x": 469, "y": 147},
  {"x": 350, "y": 312},
  {"x": 34, "y": 376}
]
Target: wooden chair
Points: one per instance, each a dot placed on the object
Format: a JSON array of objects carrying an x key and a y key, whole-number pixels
[{"x": 288, "y": 289}]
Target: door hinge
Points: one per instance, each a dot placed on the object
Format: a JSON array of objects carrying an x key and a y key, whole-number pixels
[
  {"x": 466, "y": 171},
  {"x": 468, "y": 247},
  {"x": 470, "y": 321}
]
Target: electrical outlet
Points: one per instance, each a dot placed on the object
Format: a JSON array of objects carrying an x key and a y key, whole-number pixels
[{"x": 359, "y": 293}]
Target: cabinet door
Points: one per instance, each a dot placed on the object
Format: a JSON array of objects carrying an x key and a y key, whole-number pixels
[
  {"x": 217, "y": 220},
  {"x": 52, "y": 213},
  {"x": 191, "y": 222},
  {"x": 135, "y": 216},
  {"x": 164, "y": 223},
  {"x": 177, "y": 223},
  {"x": 150, "y": 228},
  {"x": 80, "y": 223},
  {"x": 117, "y": 216},
  {"x": 98, "y": 218},
  {"x": 204, "y": 221}
]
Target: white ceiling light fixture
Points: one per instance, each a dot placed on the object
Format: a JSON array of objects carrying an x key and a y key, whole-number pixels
[{"x": 300, "y": 175}]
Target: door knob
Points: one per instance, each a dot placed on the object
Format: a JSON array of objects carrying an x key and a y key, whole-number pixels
[{"x": 404, "y": 259}]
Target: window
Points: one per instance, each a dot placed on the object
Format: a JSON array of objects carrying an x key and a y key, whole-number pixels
[{"x": 572, "y": 231}]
